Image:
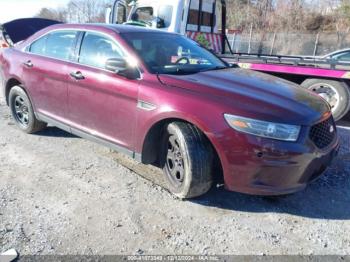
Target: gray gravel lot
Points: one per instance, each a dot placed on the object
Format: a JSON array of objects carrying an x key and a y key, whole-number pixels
[{"x": 60, "y": 194}]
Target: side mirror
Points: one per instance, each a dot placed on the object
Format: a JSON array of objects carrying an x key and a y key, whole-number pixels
[
  {"x": 158, "y": 23},
  {"x": 234, "y": 65},
  {"x": 120, "y": 67},
  {"x": 116, "y": 64}
]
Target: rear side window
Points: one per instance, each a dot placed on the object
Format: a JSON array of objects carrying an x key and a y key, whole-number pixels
[
  {"x": 60, "y": 44},
  {"x": 56, "y": 45},
  {"x": 97, "y": 49}
]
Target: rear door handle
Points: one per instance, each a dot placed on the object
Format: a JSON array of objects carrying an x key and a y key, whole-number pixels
[
  {"x": 28, "y": 64},
  {"x": 77, "y": 75}
]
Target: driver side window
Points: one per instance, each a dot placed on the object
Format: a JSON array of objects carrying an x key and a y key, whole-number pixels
[{"x": 97, "y": 49}]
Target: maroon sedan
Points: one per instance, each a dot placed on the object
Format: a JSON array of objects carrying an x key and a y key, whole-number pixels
[{"x": 164, "y": 100}]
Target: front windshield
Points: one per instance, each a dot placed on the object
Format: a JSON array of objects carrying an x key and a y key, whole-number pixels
[{"x": 165, "y": 53}]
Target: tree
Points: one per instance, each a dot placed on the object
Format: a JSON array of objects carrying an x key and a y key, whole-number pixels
[
  {"x": 86, "y": 11},
  {"x": 77, "y": 11},
  {"x": 58, "y": 15},
  {"x": 342, "y": 22}
]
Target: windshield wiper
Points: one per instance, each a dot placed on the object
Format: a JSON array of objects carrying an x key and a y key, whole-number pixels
[
  {"x": 187, "y": 71},
  {"x": 214, "y": 68},
  {"x": 179, "y": 71}
]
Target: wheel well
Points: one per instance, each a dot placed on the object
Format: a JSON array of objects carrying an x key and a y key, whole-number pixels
[
  {"x": 151, "y": 147},
  {"x": 11, "y": 83},
  {"x": 347, "y": 82}
]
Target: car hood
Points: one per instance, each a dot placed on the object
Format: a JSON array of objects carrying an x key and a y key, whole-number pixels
[
  {"x": 20, "y": 29},
  {"x": 251, "y": 94}
]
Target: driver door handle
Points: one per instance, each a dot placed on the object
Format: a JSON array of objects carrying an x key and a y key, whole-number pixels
[
  {"x": 77, "y": 75},
  {"x": 28, "y": 64}
]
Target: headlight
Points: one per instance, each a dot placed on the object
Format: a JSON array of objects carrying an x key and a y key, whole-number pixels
[{"x": 264, "y": 129}]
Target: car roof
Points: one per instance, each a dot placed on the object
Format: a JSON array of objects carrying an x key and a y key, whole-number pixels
[
  {"x": 117, "y": 28},
  {"x": 337, "y": 52}
]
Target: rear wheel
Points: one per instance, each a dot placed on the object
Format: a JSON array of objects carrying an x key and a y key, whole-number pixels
[
  {"x": 22, "y": 111},
  {"x": 335, "y": 93},
  {"x": 187, "y": 160}
]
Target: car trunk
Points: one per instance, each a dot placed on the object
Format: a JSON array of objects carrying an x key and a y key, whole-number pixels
[{"x": 18, "y": 30}]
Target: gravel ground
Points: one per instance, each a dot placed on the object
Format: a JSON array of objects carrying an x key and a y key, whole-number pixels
[{"x": 60, "y": 194}]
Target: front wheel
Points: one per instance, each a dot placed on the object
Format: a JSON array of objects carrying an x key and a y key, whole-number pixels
[
  {"x": 335, "y": 93},
  {"x": 187, "y": 160}
]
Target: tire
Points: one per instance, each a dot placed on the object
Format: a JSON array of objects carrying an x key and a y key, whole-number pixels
[
  {"x": 22, "y": 111},
  {"x": 336, "y": 93},
  {"x": 187, "y": 160}
]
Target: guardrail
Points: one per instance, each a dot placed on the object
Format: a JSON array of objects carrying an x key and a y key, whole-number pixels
[{"x": 288, "y": 60}]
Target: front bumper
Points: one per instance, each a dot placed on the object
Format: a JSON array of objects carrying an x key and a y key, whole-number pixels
[{"x": 261, "y": 166}]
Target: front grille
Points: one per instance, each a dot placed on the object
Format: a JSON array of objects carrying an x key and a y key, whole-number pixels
[{"x": 323, "y": 133}]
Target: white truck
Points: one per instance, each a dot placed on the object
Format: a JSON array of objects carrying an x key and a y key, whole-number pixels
[{"x": 201, "y": 20}]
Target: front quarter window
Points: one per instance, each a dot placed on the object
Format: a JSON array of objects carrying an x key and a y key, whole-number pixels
[{"x": 38, "y": 47}]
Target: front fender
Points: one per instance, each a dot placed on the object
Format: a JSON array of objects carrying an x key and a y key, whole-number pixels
[{"x": 212, "y": 131}]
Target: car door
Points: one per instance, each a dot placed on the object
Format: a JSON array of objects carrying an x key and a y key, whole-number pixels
[
  {"x": 118, "y": 13},
  {"x": 45, "y": 73},
  {"x": 100, "y": 102}
]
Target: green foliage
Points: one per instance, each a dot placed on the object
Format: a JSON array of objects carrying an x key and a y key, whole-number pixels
[{"x": 201, "y": 39}]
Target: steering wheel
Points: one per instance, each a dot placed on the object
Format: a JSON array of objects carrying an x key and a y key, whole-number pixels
[{"x": 182, "y": 58}]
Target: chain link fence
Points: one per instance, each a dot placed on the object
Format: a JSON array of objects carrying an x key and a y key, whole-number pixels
[{"x": 300, "y": 44}]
